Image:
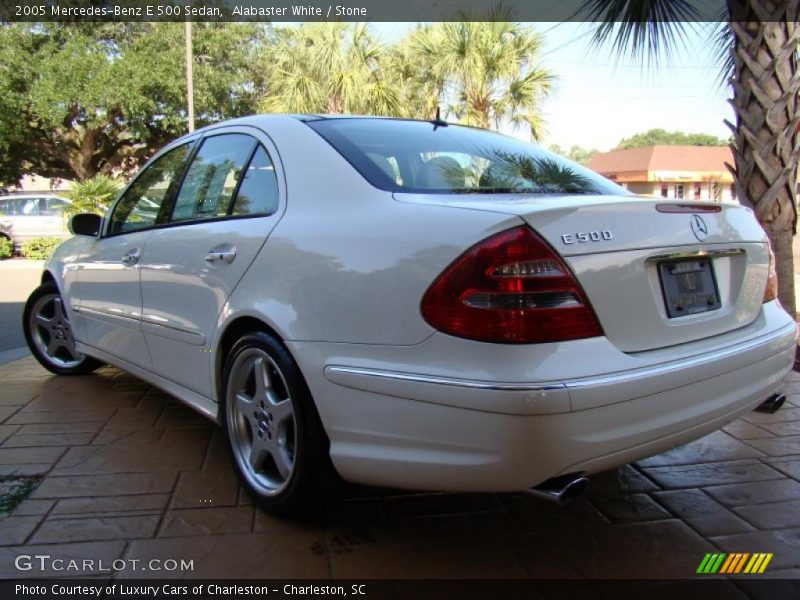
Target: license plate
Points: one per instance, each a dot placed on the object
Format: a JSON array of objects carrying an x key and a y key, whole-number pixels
[{"x": 689, "y": 287}]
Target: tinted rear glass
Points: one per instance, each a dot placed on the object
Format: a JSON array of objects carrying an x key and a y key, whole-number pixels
[{"x": 418, "y": 157}]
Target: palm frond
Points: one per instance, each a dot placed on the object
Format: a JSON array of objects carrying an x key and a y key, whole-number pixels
[
  {"x": 723, "y": 49},
  {"x": 643, "y": 29}
]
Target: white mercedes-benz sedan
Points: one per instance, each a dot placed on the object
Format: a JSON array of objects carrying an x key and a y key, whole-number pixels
[{"x": 415, "y": 304}]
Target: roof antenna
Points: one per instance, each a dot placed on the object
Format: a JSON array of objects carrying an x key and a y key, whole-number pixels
[{"x": 438, "y": 122}]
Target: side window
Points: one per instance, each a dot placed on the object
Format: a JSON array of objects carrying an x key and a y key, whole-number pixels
[
  {"x": 29, "y": 207},
  {"x": 140, "y": 206},
  {"x": 212, "y": 177},
  {"x": 7, "y": 207},
  {"x": 54, "y": 206},
  {"x": 258, "y": 194}
]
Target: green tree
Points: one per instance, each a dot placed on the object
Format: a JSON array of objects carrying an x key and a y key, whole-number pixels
[
  {"x": 92, "y": 195},
  {"x": 484, "y": 73},
  {"x": 662, "y": 137},
  {"x": 327, "y": 68},
  {"x": 760, "y": 43},
  {"x": 576, "y": 153},
  {"x": 78, "y": 99}
]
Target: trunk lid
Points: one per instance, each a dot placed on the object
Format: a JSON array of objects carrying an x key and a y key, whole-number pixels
[{"x": 631, "y": 255}]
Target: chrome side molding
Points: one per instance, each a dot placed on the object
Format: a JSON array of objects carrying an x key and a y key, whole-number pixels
[{"x": 661, "y": 369}]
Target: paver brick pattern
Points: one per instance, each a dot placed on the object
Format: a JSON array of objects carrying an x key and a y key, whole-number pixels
[{"x": 127, "y": 471}]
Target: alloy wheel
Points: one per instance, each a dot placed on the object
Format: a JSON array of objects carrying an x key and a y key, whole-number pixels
[
  {"x": 261, "y": 421},
  {"x": 51, "y": 332}
]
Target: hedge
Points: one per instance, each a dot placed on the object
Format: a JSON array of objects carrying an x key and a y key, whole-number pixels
[{"x": 39, "y": 248}]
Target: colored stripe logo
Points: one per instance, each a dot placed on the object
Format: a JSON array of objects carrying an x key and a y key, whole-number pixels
[{"x": 737, "y": 562}]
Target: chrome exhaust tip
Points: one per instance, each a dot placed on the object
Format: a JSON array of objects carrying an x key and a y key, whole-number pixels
[
  {"x": 560, "y": 489},
  {"x": 771, "y": 405}
]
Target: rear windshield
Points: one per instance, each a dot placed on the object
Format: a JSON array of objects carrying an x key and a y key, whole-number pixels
[{"x": 420, "y": 157}]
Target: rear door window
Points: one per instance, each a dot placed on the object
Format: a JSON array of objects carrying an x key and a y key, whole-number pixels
[
  {"x": 258, "y": 194},
  {"x": 55, "y": 206},
  {"x": 213, "y": 177}
]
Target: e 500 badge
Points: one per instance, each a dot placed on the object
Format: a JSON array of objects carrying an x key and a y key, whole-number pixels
[{"x": 587, "y": 236}]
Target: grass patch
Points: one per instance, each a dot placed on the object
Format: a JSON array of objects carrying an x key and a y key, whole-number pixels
[{"x": 14, "y": 490}]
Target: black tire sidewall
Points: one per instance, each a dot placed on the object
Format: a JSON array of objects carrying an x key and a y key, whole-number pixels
[
  {"x": 311, "y": 445},
  {"x": 86, "y": 366}
]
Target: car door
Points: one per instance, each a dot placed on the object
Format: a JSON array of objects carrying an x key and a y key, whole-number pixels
[
  {"x": 8, "y": 208},
  {"x": 106, "y": 296},
  {"x": 33, "y": 220},
  {"x": 54, "y": 207},
  {"x": 227, "y": 205}
]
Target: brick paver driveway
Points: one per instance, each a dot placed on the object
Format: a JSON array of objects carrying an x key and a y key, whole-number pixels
[{"x": 128, "y": 472}]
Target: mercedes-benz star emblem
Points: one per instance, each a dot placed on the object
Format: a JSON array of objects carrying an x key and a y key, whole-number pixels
[{"x": 699, "y": 228}]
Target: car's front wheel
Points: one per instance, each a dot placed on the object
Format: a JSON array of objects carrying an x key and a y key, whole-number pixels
[
  {"x": 48, "y": 332},
  {"x": 276, "y": 440}
]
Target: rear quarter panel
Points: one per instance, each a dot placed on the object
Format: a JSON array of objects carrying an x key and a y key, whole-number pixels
[{"x": 347, "y": 263}]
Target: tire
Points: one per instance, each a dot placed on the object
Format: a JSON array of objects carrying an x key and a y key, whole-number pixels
[
  {"x": 288, "y": 468},
  {"x": 48, "y": 333}
]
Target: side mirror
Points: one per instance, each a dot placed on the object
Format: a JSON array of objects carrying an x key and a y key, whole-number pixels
[{"x": 85, "y": 224}]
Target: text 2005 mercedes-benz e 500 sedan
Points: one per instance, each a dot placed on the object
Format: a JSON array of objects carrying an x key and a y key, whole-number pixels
[{"x": 416, "y": 304}]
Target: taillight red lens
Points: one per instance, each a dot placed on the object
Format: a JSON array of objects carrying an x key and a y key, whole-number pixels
[
  {"x": 771, "y": 289},
  {"x": 510, "y": 288}
]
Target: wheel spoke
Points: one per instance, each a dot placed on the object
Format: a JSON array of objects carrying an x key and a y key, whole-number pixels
[
  {"x": 283, "y": 461},
  {"x": 44, "y": 322},
  {"x": 262, "y": 380},
  {"x": 69, "y": 346},
  {"x": 58, "y": 310},
  {"x": 245, "y": 405},
  {"x": 258, "y": 452},
  {"x": 281, "y": 412},
  {"x": 53, "y": 345}
]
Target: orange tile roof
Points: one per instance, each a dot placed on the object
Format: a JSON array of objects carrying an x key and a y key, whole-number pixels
[{"x": 663, "y": 158}]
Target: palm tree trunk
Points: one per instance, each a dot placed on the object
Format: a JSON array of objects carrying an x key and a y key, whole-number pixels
[{"x": 766, "y": 139}]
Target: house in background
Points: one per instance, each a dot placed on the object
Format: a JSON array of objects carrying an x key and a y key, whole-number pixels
[
  {"x": 35, "y": 184},
  {"x": 688, "y": 172}
]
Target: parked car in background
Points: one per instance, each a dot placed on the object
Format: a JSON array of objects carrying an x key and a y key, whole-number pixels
[
  {"x": 416, "y": 304},
  {"x": 32, "y": 215}
]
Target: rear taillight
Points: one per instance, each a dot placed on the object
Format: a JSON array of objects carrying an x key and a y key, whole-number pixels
[
  {"x": 510, "y": 288},
  {"x": 771, "y": 291}
]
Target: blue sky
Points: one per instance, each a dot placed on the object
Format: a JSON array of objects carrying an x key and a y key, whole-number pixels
[{"x": 598, "y": 99}]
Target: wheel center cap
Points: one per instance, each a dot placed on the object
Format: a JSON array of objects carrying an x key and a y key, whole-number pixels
[{"x": 262, "y": 419}]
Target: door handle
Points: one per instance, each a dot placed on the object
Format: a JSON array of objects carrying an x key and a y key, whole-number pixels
[
  {"x": 224, "y": 253},
  {"x": 131, "y": 257}
]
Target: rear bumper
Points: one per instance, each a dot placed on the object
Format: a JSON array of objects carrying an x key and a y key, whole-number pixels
[{"x": 417, "y": 430}]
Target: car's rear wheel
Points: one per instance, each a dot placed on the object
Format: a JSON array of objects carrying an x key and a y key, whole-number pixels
[
  {"x": 48, "y": 332},
  {"x": 276, "y": 440}
]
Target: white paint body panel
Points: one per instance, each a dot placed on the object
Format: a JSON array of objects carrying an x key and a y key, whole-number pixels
[
  {"x": 339, "y": 275},
  {"x": 108, "y": 297}
]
